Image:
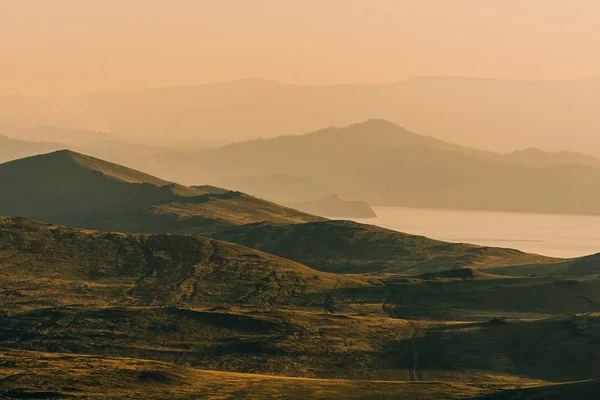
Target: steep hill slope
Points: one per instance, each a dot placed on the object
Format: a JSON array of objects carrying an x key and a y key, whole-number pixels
[
  {"x": 74, "y": 189},
  {"x": 350, "y": 247}
]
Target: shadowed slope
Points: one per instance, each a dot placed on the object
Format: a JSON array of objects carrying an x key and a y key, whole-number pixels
[{"x": 73, "y": 189}]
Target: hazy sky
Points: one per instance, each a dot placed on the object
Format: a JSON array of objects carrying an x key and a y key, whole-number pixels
[{"x": 57, "y": 47}]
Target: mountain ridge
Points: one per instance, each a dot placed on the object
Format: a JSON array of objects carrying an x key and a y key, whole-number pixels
[
  {"x": 69, "y": 188},
  {"x": 387, "y": 165}
]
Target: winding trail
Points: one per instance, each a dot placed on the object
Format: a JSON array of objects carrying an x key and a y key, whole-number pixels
[{"x": 414, "y": 372}]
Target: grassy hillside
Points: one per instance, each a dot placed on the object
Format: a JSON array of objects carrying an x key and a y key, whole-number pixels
[
  {"x": 350, "y": 247},
  {"x": 55, "y": 375},
  {"x": 581, "y": 266},
  {"x": 46, "y": 264},
  {"x": 538, "y": 158},
  {"x": 176, "y": 315},
  {"x": 69, "y": 188}
]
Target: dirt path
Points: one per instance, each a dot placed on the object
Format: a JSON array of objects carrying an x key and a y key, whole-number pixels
[
  {"x": 329, "y": 301},
  {"x": 414, "y": 372}
]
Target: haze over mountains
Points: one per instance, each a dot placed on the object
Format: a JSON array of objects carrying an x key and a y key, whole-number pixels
[
  {"x": 374, "y": 161},
  {"x": 42, "y": 139},
  {"x": 490, "y": 114},
  {"x": 408, "y": 208},
  {"x": 12, "y": 149},
  {"x": 384, "y": 164}
]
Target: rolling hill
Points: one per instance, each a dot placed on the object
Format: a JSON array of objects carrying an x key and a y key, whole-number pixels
[
  {"x": 588, "y": 265},
  {"x": 385, "y": 164},
  {"x": 73, "y": 189},
  {"x": 176, "y": 315},
  {"x": 350, "y": 247},
  {"x": 46, "y": 264}
]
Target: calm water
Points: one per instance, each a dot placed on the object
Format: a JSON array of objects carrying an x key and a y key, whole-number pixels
[{"x": 548, "y": 234}]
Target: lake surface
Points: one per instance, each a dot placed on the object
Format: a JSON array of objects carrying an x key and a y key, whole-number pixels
[{"x": 556, "y": 235}]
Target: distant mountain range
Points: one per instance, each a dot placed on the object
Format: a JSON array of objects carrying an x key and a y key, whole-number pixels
[
  {"x": 384, "y": 164},
  {"x": 492, "y": 114},
  {"x": 12, "y": 149},
  {"x": 29, "y": 142}
]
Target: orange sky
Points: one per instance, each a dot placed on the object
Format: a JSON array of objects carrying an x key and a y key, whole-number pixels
[{"x": 58, "y": 47}]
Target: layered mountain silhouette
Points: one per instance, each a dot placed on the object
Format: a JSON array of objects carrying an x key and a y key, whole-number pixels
[
  {"x": 73, "y": 189},
  {"x": 53, "y": 134},
  {"x": 538, "y": 158},
  {"x": 43, "y": 139},
  {"x": 384, "y": 164},
  {"x": 493, "y": 114},
  {"x": 12, "y": 149}
]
